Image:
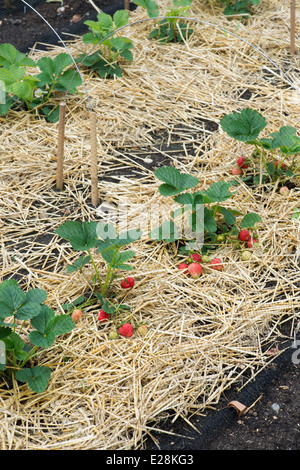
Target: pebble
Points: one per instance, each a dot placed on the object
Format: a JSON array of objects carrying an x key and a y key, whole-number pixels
[{"x": 275, "y": 407}]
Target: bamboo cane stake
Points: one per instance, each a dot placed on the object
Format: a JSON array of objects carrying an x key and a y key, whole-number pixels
[
  {"x": 60, "y": 146},
  {"x": 292, "y": 31},
  {"x": 94, "y": 169}
]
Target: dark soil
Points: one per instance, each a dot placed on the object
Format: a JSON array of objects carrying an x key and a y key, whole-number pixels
[
  {"x": 22, "y": 27},
  {"x": 272, "y": 418}
]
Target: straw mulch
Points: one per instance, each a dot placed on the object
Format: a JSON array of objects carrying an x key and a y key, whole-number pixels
[{"x": 204, "y": 335}]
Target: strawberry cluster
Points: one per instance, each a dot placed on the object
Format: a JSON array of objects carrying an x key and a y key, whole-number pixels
[
  {"x": 193, "y": 265},
  {"x": 244, "y": 236},
  {"x": 242, "y": 164}
]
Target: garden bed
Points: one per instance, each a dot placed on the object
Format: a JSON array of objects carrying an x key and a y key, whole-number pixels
[{"x": 206, "y": 335}]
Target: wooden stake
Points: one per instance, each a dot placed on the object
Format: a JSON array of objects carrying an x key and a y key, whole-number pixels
[
  {"x": 60, "y": 146},
  {"x": 293, "y": 22},
  {"x": 126, "y": 5},
  {"x": 94, "y": 166}
]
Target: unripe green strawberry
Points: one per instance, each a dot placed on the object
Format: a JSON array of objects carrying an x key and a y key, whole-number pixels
[
  {"x": 205, "y": 259},
  {"x": 221, "y": 237},
  {"x": 246, "y": 255},
  {"x": 113, "y": 335},
  {"x": 195, "y": 270},
  {"x": 142, "y": 330}
]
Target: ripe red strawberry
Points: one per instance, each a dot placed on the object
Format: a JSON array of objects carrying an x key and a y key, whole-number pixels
[
  {"x": 126, "y": 330},
  {"x": 194, "y": 257},
  {"x": 244, "y": 236},
  {"x": 236, "y": 171},
  {"x": 127, "y": 283},
  {"x": 216, "y": 264},
  {"x": 241, "y": 162},
  {"x": 102, "y": 316},
  {"x": 183, "y": 267},
  {"x": 195, "y": 270},
  {"x": 282, "y": 165},
  {"x": 251, "y": 243}
]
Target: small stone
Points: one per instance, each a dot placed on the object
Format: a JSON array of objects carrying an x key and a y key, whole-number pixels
[{"x": 275, "y": 407}]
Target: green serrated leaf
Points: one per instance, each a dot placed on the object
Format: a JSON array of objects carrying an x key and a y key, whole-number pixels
[
  {"x": 149, "y": 5},
  {"x": 78, "y": 264},
  {"x": 36, "y": 295},
  {"x": 228, "y": 215},
  {"x": 175, "y": 181},
  {"x": 244, "y": 126},
  {"x": 123, "y": 257},
  {"x": 218, "y": 192},
  {"x": 209, "y": 222},
  {"x": 68, "y": 81},
  {"x": 167, "y": 231},
  {"x": 4, "y": 332},
  {"x": 14, "y": 344},
  {"x": 60, "y": 62},
  {"x": 11, "y": 295},
  {"x": 81, "y": 235},
  {"x": 42, "y": 340},
  {"x": 37, "y": 378},
  {"x": 10, "y": 55},
  {"x": 121, "y": 18},
  {"x": 61, "y": 324},
  {"x": 47, "y": 67},
  {"x": 27, "y": 311},
  {"x": 51, "y": 113},
  {"x": 249, "y": 220},
  {"x": 41, "y": 321},
  {"x": 23, "y": 90}
]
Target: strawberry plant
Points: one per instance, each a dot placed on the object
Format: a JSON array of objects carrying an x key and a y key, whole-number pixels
[
  {"x": 109, "y": 50},
  {"x": 208, "y": 219},
  {"x": 35, "y": 92},
  {"x": 271, "y": 152},
  {"x": 238, "y": 7},
  {"x": 88, "y": 237},
  {"x": 28, "y": 310},
  {"x": 169, "y": 29}
]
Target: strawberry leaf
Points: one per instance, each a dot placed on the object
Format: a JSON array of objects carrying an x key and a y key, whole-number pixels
[
  {"x": 175, "y": 181},
  {"x": 249, "y": 220},
  {"x": 150, "y": 6},
  {"x": 244, "y": 126},
  {"x": 218, "y": 192},
  {"x": 167, "y": 231},
  {"x": 36, "y": 378},
  {"x": 82, "y": 236}
]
